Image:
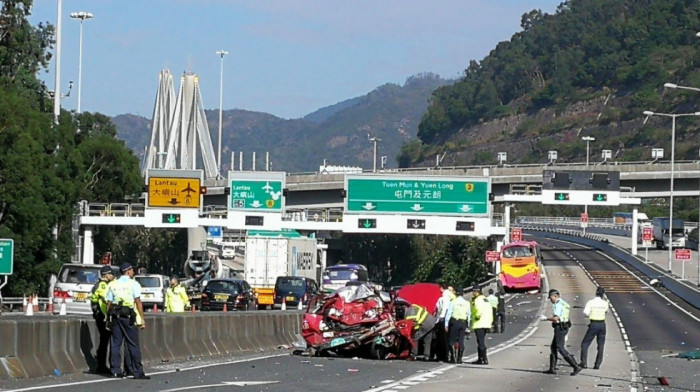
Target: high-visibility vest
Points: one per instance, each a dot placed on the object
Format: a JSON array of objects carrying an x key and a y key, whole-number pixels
[
  {"x": 99, "y": 296},
  {"x": 123, "y": 292},
  {"x": 418, "y": 315},
  {"x": 565, "y": 312},
  {"x": 493, "y": 300},
  {"x": 482, "y": 312},
  {"x": 460, "y": 309},
  {"x": 176, "y": 299},
  {"x": 598, "y": 307}
]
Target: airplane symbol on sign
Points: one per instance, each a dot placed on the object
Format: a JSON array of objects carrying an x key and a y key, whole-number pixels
[{"x": 189, "y": 190}]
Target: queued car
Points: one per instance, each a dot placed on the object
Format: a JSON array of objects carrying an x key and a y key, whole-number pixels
[
  {"x": 74, "y": 284},
  {"x": 234, "y": 293},
  {"x": 293, "y": 289},
  {"x": 153, "y": 288}
]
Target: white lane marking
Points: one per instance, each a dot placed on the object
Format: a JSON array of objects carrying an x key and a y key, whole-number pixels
[
  {"x": 402, "y": 387},
  {"x": 527, "y": 332},
  {"x": 51, "y": 386},
  {"x": 225, "y": 383}
]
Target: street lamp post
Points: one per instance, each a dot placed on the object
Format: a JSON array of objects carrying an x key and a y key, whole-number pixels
[
  {"x": 375, "y": 140},
  {"x": 82, "y": 15},
  {"x": 588, "y": 140},
  {"x": 221, "y": 53},
  {"x": 673, "y": 117}
]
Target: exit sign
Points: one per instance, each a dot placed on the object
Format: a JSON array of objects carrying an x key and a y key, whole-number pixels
[
  {"x": 600, "y": 197},
  {"x": 6, "y": 256},
  {"x": 171, "y": 218},
  {"x": 366, "y": 223}
]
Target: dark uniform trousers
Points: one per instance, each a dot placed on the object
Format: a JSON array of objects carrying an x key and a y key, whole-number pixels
[
  {"x": 124, "y": 331},
  {"x": 596, "y": 329},
  {"x": 481, "y": 338},
  {"x": 101, "y": 353},
  {"x": 458, "y": 329},
  {"x": 558, "y": 345}
]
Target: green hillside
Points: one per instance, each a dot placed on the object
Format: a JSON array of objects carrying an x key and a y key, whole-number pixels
[{"x": 591, "y": 68}]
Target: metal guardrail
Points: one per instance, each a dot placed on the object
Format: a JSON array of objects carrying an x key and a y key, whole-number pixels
[{"x": 12, "y": 303}]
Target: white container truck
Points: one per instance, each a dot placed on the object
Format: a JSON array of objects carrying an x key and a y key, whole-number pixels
[{"x": 676, "y": 238}]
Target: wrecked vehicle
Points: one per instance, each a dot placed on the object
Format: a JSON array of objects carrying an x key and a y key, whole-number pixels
[{"x": 358, "y": 321}]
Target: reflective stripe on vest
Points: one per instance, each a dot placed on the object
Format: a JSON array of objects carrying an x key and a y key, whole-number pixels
[
  {"x": 460, "y": 309},
  {"x": 598, "y": 310},
  {"x": 123, "y": 292},
  {"x": 419, "y": 317}
]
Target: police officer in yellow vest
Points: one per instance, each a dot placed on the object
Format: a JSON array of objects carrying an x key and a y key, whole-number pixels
[
  {"x": 595, "y": 309},
  {"x": 98, "y": 301},
  {"x": 482, "y": 319},
  {"x": 561, "y": 324},
  {"x": 423, "y": 325},
  {"x": 493, "y": 300},
  {"x": 176, "y": 299},
  {"x": 456, "y": 323},
  {"x": 126, "y": 311}
]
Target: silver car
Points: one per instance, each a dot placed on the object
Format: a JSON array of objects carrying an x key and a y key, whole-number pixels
[{"x": 74, "y": 285}]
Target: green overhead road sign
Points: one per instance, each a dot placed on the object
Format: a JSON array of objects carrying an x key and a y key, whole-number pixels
[
  {"x": 411, "y": 195},
  {"x": 600, "y": 197},
  {"x": 7, "y": 250},
  {"x": 253, "y": 195}
]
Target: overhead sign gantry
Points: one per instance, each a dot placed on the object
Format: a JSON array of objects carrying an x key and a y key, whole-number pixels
[
  {"x": 256, "y": 200},
  {"x": 173, "y": 198}
]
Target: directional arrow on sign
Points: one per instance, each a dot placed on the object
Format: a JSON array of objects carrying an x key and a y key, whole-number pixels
[
  {"x": 173, "y": 201},
  {"x": 368, "y": 206},
  {"x": 256, "y": 204},
  {"x": 465, "y": 208},
  {"x": 416, "y": 207},
  {"x": 171, "y": 218},
  {"x": 368, "y": 223}
]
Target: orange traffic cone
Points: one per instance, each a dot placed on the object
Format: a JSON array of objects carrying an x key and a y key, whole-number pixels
[
  {"x": 35, "y": 302},
  {"x": 299, "y": 304},
  {"x": 225, "y": 308},
  {"x": 24, "y": 304},
  {"x": 49, "y": 307},
  {"x": 62, "y": 311},
  {"x": 194, "y": 308},
  {"x": 284, "y": 303},
  {"x": 155, "y": 308}
]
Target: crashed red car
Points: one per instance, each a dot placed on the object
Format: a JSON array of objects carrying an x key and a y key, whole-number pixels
[{"x": 361, "y": 321}]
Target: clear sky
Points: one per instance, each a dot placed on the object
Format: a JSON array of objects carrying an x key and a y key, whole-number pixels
[{"x": 286, "y": 57}]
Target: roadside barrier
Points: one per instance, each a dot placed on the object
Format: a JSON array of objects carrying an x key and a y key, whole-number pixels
[{"x": 35, "y": 347}]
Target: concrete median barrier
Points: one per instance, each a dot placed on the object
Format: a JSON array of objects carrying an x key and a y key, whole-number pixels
[{"x": 34, "y": 347}]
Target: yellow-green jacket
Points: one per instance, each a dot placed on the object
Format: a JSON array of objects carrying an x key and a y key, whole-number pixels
[
  {"x": 99, "y": 296},
  {"x": 176, "y": 299},
  {"x": 482, "y": 313}
]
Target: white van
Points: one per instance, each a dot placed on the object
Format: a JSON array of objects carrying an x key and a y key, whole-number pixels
[
  {"x": 153, "y": 288},
  {"x": 74, "y": 285}
]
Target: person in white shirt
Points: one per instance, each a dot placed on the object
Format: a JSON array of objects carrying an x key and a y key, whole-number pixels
[
  {"x": 595, "y": 310},
  {"x": 443, "y": 303}
]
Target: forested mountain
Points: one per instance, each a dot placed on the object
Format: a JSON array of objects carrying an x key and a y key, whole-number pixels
[
  {"x": 591, "y": 68},
  {"x": 338, "y": 133}
]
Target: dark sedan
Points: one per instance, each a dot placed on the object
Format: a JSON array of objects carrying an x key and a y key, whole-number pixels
[{"x": 234, "y": 293}]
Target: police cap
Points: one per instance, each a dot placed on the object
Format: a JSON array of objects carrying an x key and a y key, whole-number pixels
[
  {"x": 105, "y": 270},
  {"x": 125, "y": 267},
  {"x": 460, "y": 291},
  {"x": 476, "y": 288},
  {"x": 599, "y": 291},
  {"x": 553, "y": 292},
  {"x": 175, "y": 278}
]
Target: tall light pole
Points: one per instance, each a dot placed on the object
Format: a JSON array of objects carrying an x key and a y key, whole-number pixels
[
  {"x": 588, "y": 140},
  {"x": 375, "y": 140},
  {"x": 673, "y": 155},
  {"x": 221, "y": 54},
  {"x": 675, "y": 86},
  {"x": 57, "y": 87},
  {"x": 82, "y": 15}
]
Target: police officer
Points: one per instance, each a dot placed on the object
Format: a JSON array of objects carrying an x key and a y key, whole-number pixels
[
  {"x": 176, "y": 299},
  {"x": 456, "y": 324},
  {"x": 423, "y": 324},
  {"x": 493, "y": 300},
  {"x": 482, "y": 319},
  {"x": 98, "y": 301},
  {"x": 561, "y": 324},
  {"x": 595, "y": 310},
  {"x": 125, "y": 308}
]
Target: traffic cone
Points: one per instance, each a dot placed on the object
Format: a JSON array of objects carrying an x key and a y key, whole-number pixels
[
  {"x": 24, "y": 304},
  {"x": 35, "y": 302},
  {"x": 225, "y": 308},
  {"x": 155, "y": 308},
  {"x": 49, "y": 307},
  {"x": 299, "y": 304},
  {"x": 62, "y": 310},
  {"x": 194, "y": 308},
  {"x": 30, "y": 307},
  {"x": 284, "y": 303}
]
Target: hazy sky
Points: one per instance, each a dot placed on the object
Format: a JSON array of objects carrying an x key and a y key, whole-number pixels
[{"x": 286, "y": 57}]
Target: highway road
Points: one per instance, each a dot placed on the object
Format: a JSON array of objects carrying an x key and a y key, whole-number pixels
[
  {"x": 279, "y": 370},
  {"x": 659, "y": 325}
]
